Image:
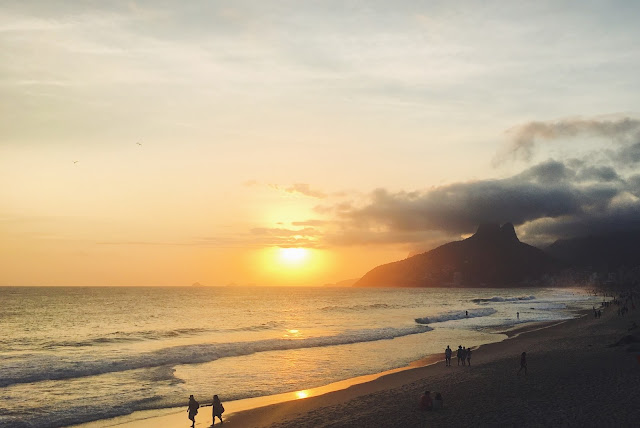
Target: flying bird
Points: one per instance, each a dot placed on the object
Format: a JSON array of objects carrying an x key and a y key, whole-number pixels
[
  {"x": 139, "y": 143},
  {"x": 75, "y": 162}
]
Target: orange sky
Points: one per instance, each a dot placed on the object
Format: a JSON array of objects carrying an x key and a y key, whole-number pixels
[{"x": 146, "y": 144}]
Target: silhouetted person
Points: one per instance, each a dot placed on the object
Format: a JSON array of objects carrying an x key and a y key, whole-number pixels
[
  {"x": 425, "y": 401},
  {"x": 523, "y": 363},
  {"x": 193, "y": 410},
  {"x": 459, "y": 353},
  {"x": 518, "y": 315},
  {"x": 218, "y": 409},
  {"x": 437, "y": 402},
  {"x": 466, "y": 314},
  {"x": 468, "y": 356},
  {"x": 463, "y": 355},
  {"x": 447, "y": 356}
]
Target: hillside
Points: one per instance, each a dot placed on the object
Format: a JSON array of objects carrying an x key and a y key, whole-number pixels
[
  {"x": 599, "y": 253},
  {"x": 492, "y": 257}
]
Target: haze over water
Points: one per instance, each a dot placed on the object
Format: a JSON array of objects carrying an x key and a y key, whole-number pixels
[{"x": 71, "y": 355}]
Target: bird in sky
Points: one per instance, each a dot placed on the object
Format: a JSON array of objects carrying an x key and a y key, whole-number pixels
[
  {"x": 75, "y": 162},
  {"x": 139, "y": 143}
]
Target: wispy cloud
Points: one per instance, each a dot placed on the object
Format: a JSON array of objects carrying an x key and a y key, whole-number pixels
[
  {"x": 300, "y": 188},
  {"x": 524, "y": 138}
]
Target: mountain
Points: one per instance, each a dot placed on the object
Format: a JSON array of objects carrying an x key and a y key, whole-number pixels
[
  {"x": 492, "y": 257},
  {"x": 343, "y": 283},
  {"x": 599, "y": 253}
]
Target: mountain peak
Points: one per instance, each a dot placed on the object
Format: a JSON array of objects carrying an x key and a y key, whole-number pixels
[
  {"x": 508, "y": 232},
  {"x": 492, "y": 257},
  {"x": 496, "y": 233}
]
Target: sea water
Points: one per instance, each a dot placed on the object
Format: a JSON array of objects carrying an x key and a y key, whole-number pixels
[{"x": 70, "y": 355}]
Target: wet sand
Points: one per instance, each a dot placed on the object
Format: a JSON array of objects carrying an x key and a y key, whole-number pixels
[{"x": 574, "y": 379}]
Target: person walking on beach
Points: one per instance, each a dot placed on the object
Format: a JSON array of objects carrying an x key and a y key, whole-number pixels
[
  {"x": 459, "y": 353},
  {"x": 218, "y": 409},
  {"x": 523, "y": 363},
  {"x": 518, "y": 315},
  {"x": 469, "y": 356},
  {"x": 463, "y": 355},
  {"x": 193, "y": 410},
  {"x": 447, "y": 356}
]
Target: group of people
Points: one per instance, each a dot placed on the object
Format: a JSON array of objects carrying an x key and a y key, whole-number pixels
[
  {"x": 463, "y": 354},
  {"x": 217, "y": 409}
]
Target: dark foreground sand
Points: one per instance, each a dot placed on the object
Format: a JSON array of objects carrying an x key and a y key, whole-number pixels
[{"x": 575, "y": 378}]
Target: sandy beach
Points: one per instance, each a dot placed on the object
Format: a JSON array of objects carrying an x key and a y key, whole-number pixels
[{"x": 575, "y": 378}]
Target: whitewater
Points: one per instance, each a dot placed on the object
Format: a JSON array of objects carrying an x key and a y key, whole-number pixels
[{"x": 72, "y": 355}]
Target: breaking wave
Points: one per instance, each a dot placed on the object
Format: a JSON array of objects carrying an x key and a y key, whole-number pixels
[
  {"x": 38, "y": 367},
  {"x": 358, "y": 308},
  {"x": 504, "y": 299},
  {"x": 137, "y": 336},
  {"x": 457, "y": 315}
]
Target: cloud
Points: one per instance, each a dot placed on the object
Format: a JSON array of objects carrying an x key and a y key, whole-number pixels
[
  {"x": 524, "y": 138},
  {"x": 282, "y": 232},
  {"x": 548, "y": 172},
  {"x": 628, "y": 155},
  {"x": 258, "y": 237},
  {"x": 311, "y": 222},
  {"x": 300, "y": 188},
  {"x": 306, "y": 190},
  {"x": 598, "y": 173},
  {"x": 617, "y": 218},
  {"x": 550, "y": 200}
]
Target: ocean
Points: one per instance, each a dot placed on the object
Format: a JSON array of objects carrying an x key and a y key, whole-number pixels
[{"x": 70, "y": 355}]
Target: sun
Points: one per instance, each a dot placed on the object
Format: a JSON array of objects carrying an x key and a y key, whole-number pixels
[{"x": 293, "y": 256}]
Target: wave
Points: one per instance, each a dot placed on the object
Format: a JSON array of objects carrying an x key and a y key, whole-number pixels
[
  {"x": 503, "y": 299},
  {"x": 38, "y": 367},
  {"x": 52, "y": 418},
  {"x": 142, "y": 335},
  {"x": 457, "y": 315},
  {"x": 358, "y": 308}
]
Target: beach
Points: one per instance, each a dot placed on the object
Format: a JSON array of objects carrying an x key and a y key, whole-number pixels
[{"x": 575, "y": 378}]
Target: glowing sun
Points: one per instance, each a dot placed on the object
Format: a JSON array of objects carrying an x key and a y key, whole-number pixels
[{"x": 293, "y": 256}]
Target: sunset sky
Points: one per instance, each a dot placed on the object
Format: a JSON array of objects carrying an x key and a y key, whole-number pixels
[{"x": 166, "y": 142}]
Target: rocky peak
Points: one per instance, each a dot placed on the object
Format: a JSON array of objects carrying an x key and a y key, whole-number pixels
[
  {"x": 493, "y": 232},
  {"x": 508, "y": 232}
]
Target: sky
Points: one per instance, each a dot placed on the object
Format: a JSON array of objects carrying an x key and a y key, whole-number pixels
[{"x": 168, "y": 143}]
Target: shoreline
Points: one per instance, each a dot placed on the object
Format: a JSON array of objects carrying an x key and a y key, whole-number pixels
[
  {"x": 239, "y": 412},
  {"x": 579, "y": 375}
]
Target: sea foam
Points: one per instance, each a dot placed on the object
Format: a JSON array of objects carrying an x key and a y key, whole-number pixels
[
  {"x": 457, "y": 315},
  {"x": 37, "y": 367},
  {"x": 503, "y": 299}
]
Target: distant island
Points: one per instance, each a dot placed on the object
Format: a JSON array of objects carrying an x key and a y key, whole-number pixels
[
  {"x": 344, "y": 283},
  {"x": 495, "y": 257}
]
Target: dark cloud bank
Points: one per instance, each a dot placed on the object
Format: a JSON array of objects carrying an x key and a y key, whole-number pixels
[{"x": 550, "y": 200}]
